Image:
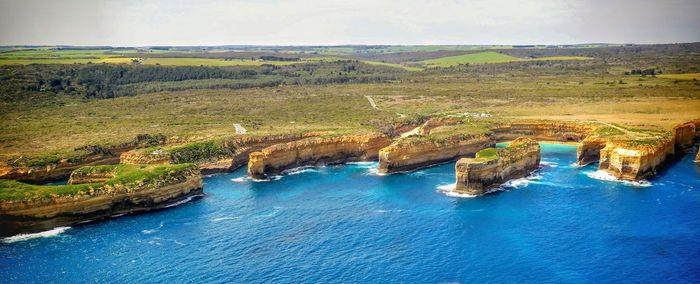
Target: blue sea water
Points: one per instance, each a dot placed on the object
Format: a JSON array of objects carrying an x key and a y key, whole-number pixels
[{"x": 346, "y": 224}]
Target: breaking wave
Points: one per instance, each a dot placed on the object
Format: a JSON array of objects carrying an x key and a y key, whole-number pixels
[
  {"x": 605, "y": 176},
  {"x": 45, "y": 234}
]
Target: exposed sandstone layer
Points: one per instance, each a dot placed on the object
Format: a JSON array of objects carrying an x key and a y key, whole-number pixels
[
  {"x": 543, "y": 130},
  {"x": 684, "y": 135},
  {"x": 315, "y": 151},
  {"x": 412, "y": 153},
  {"x": 101, "y": 201},
  {"x": 635, "y": 162},
  {"x": 634, "y": 158},
  {"x": 229, "y": 154},
  {"x": 492, "y": 167},
  {"x": 588, "y": 151},
  {"x": 62, "y": 169}
]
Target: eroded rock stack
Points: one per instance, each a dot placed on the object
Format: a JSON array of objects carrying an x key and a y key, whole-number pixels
[{"x": 492, "y": 167}]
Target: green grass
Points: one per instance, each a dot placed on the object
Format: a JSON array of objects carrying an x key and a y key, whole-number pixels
[
  {"x": 394, "y": 65},
  {"x": 472, "y": 58},
  {"x": 685, "y": 76},
  {"x": 488, "y": 57},
  {"x": 11, "y": 190},
  {"x": 487, "y": 154}
]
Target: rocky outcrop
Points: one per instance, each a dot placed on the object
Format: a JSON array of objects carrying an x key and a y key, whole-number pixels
[
  {"x": 697, "y": 157},
  {"x": 60, "y": 168},
  {"x": 46, "y": 207},
  {"x": 416, "y": 152},
  {"x": 635, "y": 160},
  {"x": 315, "y": 151},
  {"x": 543, "y": 130},
  {"x": 684, "y": 134},
  {"x": 492, "y": 167},
  {"x": 212, "y": 156},
  {"x": 588, "y": 151}
]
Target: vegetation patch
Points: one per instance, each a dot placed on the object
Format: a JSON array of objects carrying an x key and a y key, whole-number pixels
[
  {"x": 127, "y": 175},
  {"x": 487, "y": 154}
]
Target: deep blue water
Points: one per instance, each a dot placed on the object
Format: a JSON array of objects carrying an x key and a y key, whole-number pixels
[{"x": 344, "y": 224}]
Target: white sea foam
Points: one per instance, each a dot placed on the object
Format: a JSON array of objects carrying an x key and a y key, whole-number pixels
[
  {"x": 449, "y": 190},
  {"x": 605, "y": 176},
  {"x": 270, "y": 178},
  {"x": 300, "y": 170},
  {"x": 225, "y": 218},
  {"x": 576, "y": 165},
  {"x": 549, "y": 164},
  {"x": 363, "y": 164},
  {"x": 520, "y": 182},
  {"x": 374, "y": 171},
  {"x": 387, "y": 211},
  {"x": 45, "y": 234},
  {"x": 188, "y": 199},
  {"x": 243, "y": 179},
  {"x": 151, "y": 231}
]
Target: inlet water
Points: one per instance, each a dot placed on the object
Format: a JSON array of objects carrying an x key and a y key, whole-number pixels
[{"x": 346, "y": 224}]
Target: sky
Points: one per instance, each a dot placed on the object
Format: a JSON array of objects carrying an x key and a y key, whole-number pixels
[{"x": 334, "y": 22}]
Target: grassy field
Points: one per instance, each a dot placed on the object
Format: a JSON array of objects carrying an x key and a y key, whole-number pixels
[
  {"x": 488, "y": 57},
  {"x": 204, "y": 114},
  {"x": 54, "y": 118},
  {"x": 165, "y": 61},
  {"x": 687, "y": 76},
  {"x": 394, "y": 65}
]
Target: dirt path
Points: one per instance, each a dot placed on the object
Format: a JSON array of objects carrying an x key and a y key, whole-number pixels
[
  {"x": 371, "y": 102},
  {"x": 413, "y": 131},
  {"x": 239, "y": 129}
]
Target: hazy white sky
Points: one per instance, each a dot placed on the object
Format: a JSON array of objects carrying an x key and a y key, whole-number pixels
[{"x": 333, "y": 22}]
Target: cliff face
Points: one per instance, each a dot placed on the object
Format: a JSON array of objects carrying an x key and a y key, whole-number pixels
[
  {"x": 588, "y": 151},
  {"x": 100, "y": 201},
  {"x": 410, "y": 154},
  {"x": 635, "y": 162},
  {"x": 60, "y": 170},
  {"x": 684, "y": 135},
  {"x": 222, "y": 156},
  {"x": 492, "y": 167},
  {"x": 697, "y": 157},
  {"x": 545, "y": 130},
  {"x": 315, "y": 151}
]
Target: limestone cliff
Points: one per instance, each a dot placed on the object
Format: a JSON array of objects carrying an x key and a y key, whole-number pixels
[
  {"x": 61, "y": 169},
  {"x": 416, "y": 152},
  {"x": 315, "y": 151},
  {"x": 684, "y": 135},
  {"x": 212, "y": 156},
  {"x": 54, "y": 168},
  {"x": 633, "y": 160},
  {"x": 543, "y": 130},
  {"x": 588, "y": 151},
  {"x": 491, "y": 167},
  {"x": 39, "y": 208}
]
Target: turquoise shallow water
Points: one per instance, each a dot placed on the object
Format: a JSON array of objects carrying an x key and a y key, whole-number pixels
[{"x": 345, "y": 224}]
